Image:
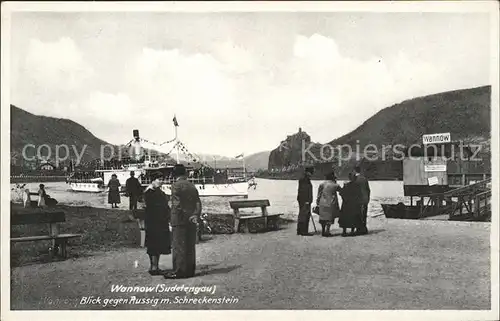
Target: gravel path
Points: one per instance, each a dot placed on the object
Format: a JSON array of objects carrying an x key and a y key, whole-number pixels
[{"x": 399, "y": 265}]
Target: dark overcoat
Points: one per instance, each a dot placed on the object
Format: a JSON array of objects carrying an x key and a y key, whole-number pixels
[
  {"x": 350, "y": 213},
  {"x": 186, "y": 207},
  {"x": 364, "y": 188},
  {"x": 114, "y": 191},
  {"x": 156, "y": 220},
  {"x": 133, "y": 186}
]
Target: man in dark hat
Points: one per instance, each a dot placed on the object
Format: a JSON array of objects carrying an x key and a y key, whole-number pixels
[
  {"x": 186, "y": 209},
  {"x": 305, "y": 198},
  {"x": 364, "y": 190},
  {"x": 133, "y": 188}
]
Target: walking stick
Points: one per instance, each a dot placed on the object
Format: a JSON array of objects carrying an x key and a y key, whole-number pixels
[{"x": 314, "y": 224}]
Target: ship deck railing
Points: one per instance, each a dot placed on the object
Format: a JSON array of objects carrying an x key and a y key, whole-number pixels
[
  {"x": 120, "y": 168},
  {"x": 206, "y": 180},
  {"x": 84, "y": 180}
]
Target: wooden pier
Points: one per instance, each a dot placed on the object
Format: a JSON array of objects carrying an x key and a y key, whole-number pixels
[
  {"x": 473, "y": 201},
  {"x": 470, "y": 203},
  {"x": 454, "y": 189}
]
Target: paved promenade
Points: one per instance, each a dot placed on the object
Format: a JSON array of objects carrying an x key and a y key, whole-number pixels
[{"x": 399, "y": 265}]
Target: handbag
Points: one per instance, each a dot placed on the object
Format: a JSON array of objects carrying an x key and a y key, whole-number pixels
[{"x": 316, "y": 209}]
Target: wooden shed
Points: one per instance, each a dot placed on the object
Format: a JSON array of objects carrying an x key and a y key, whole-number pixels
[{"x": 426, "y": 167}]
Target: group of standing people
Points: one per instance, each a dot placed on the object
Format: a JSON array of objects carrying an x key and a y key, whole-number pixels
[
  {"x": 351, "y": 215},
  {"x": 170, "y": 228},
  {"x": 182, "y": 215},
  {"x": 133, "y": 190}
]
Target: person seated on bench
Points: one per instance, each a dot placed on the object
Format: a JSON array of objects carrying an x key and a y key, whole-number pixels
[{"x": 44, "y": 199}]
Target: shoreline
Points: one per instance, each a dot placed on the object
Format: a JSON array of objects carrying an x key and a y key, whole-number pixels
[
  {"x": 293, "y": 177},
  {"x": 285, "y": 178},
  {"x": 36, "y": 179}
]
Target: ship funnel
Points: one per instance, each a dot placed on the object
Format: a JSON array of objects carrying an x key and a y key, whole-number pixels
[{"x": 137, "y": 145}]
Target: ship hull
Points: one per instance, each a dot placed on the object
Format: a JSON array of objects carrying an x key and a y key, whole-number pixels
[
  {"x": 87, "y": 187},
  {"x": 205, "y": 190},
  {"x": 407, "y": 212},
  {"x": 401, "y": 211}
]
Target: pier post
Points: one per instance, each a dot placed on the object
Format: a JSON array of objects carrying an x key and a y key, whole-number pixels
[
  {"x": 449, "y": 201},
  {"x": 477, "y": 206}
]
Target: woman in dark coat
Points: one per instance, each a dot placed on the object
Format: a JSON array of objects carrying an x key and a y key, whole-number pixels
[
  {"x": 114, "y": 191},
  {"x": 157, "y": 219},
  {"x": 350, "y": 213}
]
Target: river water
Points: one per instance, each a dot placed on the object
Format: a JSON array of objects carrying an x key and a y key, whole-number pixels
[{"x": 281, "y": 194}]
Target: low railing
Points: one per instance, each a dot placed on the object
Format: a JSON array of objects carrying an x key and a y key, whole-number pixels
[
  {"x": 469, "y": 189},
  {"x": 36, "y": 178},
  {"x": 469, "y": 198},
  {"x": 464, "y": 179}
]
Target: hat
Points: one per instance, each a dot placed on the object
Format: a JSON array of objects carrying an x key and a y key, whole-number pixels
[
  {"x": 331, "y": 176},
  {"x": 309, "y": 169},
  {"x": 179, "y": 170},
  {"x": 156, "y": 175}
]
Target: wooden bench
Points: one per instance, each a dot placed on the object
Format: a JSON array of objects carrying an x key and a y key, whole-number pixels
[
  {"x": 270, "y": 220},
  {"x": 27, "y": 198},
  {"x": 139, "y": 215},
  {"x": 52, "y": 218}
]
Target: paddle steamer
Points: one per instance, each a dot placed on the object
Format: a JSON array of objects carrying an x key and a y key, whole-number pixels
[{"x": 149, "y": 158}]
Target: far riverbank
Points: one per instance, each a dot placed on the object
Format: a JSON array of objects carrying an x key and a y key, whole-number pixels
[
  {"x": 19, "y": 179},
  {"x": 316, "y": 177}
]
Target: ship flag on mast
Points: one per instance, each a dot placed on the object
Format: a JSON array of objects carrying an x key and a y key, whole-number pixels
[
  {"x": 176, "y": 124},
  {"x": 239, "y": 156}
]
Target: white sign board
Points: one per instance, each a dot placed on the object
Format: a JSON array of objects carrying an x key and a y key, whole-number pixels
[
  {"x": 433, "y": 181},
  {"x": 436, "y": 138},
  {"x": 435, "y": 168}
]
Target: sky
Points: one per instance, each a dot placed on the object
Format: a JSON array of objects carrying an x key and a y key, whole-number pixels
[{"x": 238, "y": 82}]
